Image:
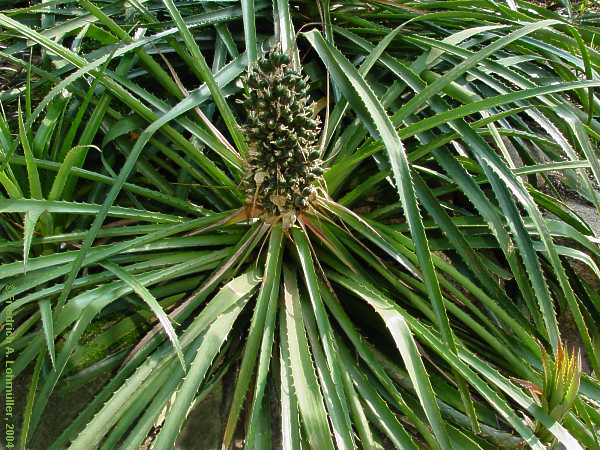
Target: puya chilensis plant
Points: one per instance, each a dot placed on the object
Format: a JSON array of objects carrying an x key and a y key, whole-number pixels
[
  {"x": 386, "y": 303},
  {"x": 283, "y": 170}
]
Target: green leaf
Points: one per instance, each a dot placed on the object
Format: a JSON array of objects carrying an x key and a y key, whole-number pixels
[
  {"x": 284, "y": 28},
  {"x": 381, "y": 414},
  {"x": 149, "y": 299},
  {"x": 364, "y": 101},
  {"x": 331, "y": 372},
  {"x": 423, "y": 96},
  {"x": 411, "y": 356},
  {"x": 367, "y": 354},
  {"x": 211, "y": 344},
  {"x": 259, "y": 402},
  {"x": 290, "y": 420},
  {"x": 35, "y": 187},
  {"x": 31, "y": 219},
  {"x": 48, "y": 327},
  {"x": 259, "y": 338},
  {"x": 118, "y": 394},
  {"x": 306, "y": 385},
  {"x": 60, "y": 207},
  {"x": 61, "y": 178},
  {"x": 248, "y": 15},
  {"x": 208, "y": 78},
  {"x": 33, "y": 386}
]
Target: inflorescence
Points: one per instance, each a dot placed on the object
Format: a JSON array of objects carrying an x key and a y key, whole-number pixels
[{"x": 283, "y": 166}]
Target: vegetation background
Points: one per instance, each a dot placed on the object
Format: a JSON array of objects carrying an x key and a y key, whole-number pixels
[{"x": 440, "y": 290}]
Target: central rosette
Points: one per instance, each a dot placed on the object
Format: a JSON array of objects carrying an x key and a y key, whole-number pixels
[{"x": 283, "y": 166}]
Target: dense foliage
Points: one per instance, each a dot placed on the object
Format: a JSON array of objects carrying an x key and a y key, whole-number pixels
[{"x": 413, "y": 276}]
